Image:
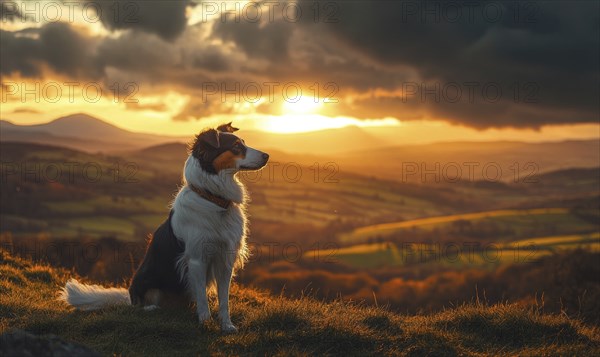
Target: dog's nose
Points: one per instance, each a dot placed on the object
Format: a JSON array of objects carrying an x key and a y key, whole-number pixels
[{"x": 265, "y": 156}]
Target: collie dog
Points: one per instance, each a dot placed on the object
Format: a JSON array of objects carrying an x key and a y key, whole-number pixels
[{"x": 201, "y": 243}]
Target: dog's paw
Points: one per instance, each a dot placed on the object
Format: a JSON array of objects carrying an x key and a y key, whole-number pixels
[
  {"x": 150, "y": 307},
  {"x": 228, "y": 328},
  {"x": 203, "y": 316}
]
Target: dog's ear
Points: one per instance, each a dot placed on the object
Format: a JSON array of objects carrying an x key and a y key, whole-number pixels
[
  {"x": 209, "y": 137},
  {"x": 227, "y": 128}
]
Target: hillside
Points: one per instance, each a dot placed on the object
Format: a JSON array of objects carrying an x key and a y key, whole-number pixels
[
  {"x": 377, "y": 151},
  {"x": 445, "y": 163},
  {"x": 514, "y": 161},
  {"x": 276, "y": 325},
  {"x": 81, "y": 132}
]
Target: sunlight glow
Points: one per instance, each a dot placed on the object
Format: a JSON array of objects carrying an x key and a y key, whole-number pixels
[
  {"x": 303, "y": 106},
  {"x": 299, "y": 123}
]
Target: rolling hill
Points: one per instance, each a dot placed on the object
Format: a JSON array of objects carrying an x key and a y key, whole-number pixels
[
  {"x": 510, "y": 218},
  {"x": 339, "y": 200},
  {"x": 445, "y": 162},
  {"x": 353, "y": 149}
]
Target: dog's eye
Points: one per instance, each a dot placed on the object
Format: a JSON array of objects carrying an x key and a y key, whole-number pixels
[{"x": 237, "y": 148}]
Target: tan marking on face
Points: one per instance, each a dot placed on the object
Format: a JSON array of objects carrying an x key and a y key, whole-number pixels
[{"x": 226, "y": 160}]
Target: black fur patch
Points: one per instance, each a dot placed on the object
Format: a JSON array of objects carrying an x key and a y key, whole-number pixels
[{"x": 158, "y": 270}]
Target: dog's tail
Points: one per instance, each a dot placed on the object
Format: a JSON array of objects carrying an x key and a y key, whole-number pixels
[{"x": 92, "y": 297}]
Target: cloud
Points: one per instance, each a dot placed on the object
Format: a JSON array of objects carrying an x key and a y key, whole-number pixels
[
  {"x": 10, "y": 11},
  {"x": 56, "y": 45},
  {"x": 197, "y": 109},
  {"x": 166, "y": 19},
  {"x": 25, "y": 110},
  {"x": 138, "y": 52},
  {"x": 267, "y": 40},
  {"x": 385, "y": 59},
  {"x": 548, "y": 51},
  {"x": 156, "y": 107}
]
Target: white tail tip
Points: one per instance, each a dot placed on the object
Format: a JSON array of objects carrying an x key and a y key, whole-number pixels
[{"x": 92, "y": 297}]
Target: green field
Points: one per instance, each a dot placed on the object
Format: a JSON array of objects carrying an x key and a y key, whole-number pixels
[
  {"x": 458, "y": 255},
  {"x": 520, "y": 222},
  {"x": 558, "y": 242}
]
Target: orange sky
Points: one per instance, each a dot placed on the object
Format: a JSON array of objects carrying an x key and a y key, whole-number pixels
[{"x": 298, "y": 120}]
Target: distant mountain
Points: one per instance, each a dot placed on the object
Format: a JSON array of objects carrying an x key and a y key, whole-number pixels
[
  {"x": 81, "y": 126},
  {"x": 81, "y": 132}
]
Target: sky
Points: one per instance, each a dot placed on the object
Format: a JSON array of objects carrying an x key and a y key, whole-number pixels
[{"x": 492, "y": 69}]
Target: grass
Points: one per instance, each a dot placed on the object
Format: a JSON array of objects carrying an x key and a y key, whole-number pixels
[{"x": 278, "y": 326}]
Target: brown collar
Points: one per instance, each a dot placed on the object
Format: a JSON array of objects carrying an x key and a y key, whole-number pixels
[{"x": 209, "y": 196}]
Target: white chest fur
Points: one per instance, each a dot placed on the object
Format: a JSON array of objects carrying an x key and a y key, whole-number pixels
[{"x": 205, "y": 227}]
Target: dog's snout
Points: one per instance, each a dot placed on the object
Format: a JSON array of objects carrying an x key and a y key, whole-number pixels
[{"x": 265, "y": 156}]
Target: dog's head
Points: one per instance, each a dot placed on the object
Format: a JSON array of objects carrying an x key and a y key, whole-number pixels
[{"x": 219, "y": 149}]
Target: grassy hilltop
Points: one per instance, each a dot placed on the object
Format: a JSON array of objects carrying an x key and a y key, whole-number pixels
[{"x": 276, "y": 325}]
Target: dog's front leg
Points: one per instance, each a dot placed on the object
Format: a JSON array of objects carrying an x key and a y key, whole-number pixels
[
  {"x": 197, "y": 269},
  {"x": 223, "y": 277}
]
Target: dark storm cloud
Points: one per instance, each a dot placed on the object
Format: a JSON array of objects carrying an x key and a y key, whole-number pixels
[
  {"x": 164, "y": 18},
  {"x": 283, "y": 51},
  {"x": 55, "y": 45},
  {"x": 551, "y": 44},
  {"x": 137, "y": 52},
  {"x": 18, "y": 54},
  {"x": 10, "y": 11},
  {"x": 142, "y": 52},
  {"x": 268, "y": 40},
  {"x": 185, "y": 64}
]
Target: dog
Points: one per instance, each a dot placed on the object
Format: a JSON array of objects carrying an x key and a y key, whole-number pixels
[{"x": 202, "y": 242}]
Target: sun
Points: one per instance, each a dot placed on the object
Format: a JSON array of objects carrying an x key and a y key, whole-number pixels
[
  {"x": 305, "y": 105},
  {"x": 300, "y": 123}
]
